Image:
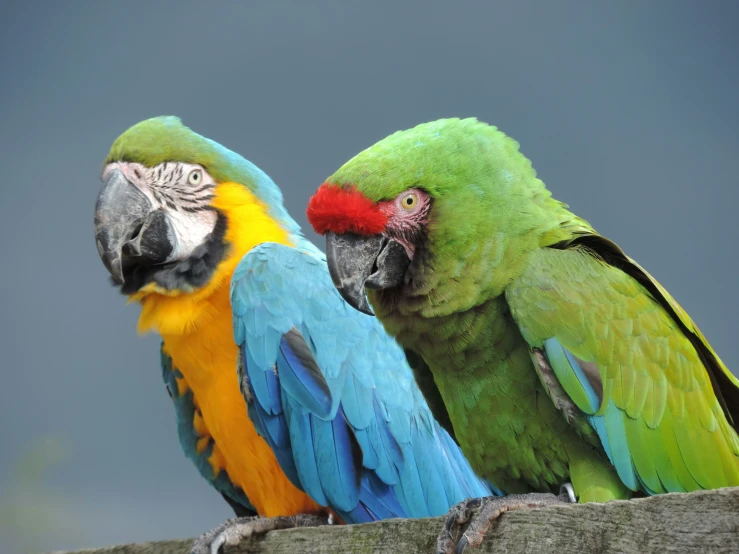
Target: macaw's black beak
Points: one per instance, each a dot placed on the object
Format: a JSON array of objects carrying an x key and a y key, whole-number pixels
[
  {"x": 357, "y": 263},
  {"x": 128, "y": 231}
]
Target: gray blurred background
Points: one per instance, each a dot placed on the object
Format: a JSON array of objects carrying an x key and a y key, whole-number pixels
[{"x": 628, "y": 110}]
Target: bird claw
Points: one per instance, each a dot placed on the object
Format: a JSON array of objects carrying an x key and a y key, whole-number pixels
[
  {"x": 233, "y": 531},
  {"x": 567, "y": 492},
  {"x": 488, "y": 509}
]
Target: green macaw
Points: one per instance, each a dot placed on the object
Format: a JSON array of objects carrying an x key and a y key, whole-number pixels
[{"x": 558, "y": 358}]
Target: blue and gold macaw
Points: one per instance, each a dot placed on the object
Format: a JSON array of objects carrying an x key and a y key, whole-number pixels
[{"x": 324, "y": 415}]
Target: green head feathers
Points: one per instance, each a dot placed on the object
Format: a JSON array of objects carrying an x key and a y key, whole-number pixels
[
  {"x": 439, "y": 156},
  {"x": 487, "y": 210},
  {"x": 480, "y": 183},
  {"x": 472, "y": 170},
  {"x": 165, "y": 139}
]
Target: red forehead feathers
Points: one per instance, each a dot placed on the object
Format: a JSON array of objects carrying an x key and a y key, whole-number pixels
[{"x": 344, "y": 209}]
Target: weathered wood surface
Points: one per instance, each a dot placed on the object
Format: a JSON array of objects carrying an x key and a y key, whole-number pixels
[{"x": 702, "y": 522}]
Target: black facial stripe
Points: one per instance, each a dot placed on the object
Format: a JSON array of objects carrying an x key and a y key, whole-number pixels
[
  {"x": 197, "y": 209},
  {"x": 169, "y": 189},
  {"x": 193, "y": 197},
  {"x": 189, "y": 274},
  {"x": 198, "y": 190},
  {"x": 169, "y": 177},
  {"x": 193, "y": 205},
  {"x": 188, "y": 200}
]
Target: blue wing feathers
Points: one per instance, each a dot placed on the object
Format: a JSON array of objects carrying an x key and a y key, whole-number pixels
[
  {"x": 599, "y": 424},
  {"x": 334, "y": 397},
  {"x": 300, "y": 376},
  {"x": 370, "y": 459},
  {"x": 258, "y": 382},
  {"x": 380, "y": 496},
  {"x": 569, "y": 372},
  {"x": 442, "y": 485},
  {"x": 389, "y": 442},
  {"x": 339, "y": 460},
  {"x": 276, "y": 428},
  {"x": 356, "y": 399},
  {"x": 385, "y": 470},
  {"x": 304, "y": 454},
  {"x": 411, "y": 487},
  {"x": 610, "y": 425}
]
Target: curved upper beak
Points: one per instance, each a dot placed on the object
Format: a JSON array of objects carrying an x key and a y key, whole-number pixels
[
  {"x": 128, "y": 231},
  {"x": 357, "y": 263}
]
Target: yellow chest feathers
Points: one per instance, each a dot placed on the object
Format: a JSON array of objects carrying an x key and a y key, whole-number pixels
[
  {"x": 180, "y": 312},
  {"x": 197, "y": 330}
]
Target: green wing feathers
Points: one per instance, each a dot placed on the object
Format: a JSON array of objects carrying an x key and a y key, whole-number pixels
[{"x": 633, "y": 361}]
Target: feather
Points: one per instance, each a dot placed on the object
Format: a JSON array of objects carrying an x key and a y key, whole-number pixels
[
  {"x": 335, "y": 397},
  {"x": 300, "y": 375},
  {"x": 304, "y": 454},
  {"x": 573, "y": 378},
  {"x": 339, "y": 460},
  {"x": 616, "y": 432},
  {"x": 185, "y": 411}
]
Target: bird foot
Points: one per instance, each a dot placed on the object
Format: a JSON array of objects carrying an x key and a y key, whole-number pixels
[
  {"x": 233, "y": 531},
  {"x": 481, "y": 512}
]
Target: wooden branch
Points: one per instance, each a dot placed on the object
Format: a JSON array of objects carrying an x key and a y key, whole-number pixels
[{"x": 702, "y": 522}]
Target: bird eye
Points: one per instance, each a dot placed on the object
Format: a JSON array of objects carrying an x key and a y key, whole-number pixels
[
  {"x": 409, "y": 201},
  {"x": 195, "y": 177}
]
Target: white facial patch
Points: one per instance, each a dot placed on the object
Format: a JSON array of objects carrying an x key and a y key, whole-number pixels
[
  {"x": 184, "y": 192},
  {"x": 191, "y": 231}
]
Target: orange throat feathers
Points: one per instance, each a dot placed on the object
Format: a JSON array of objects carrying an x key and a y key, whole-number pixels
[{"x": 196, "y": 327}]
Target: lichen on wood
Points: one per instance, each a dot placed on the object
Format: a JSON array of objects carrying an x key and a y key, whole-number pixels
[{"x": 702, "y": 522}]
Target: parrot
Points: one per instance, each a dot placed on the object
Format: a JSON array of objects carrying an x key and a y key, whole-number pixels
[
  {"x": 559, "y": 359},
  {"x": 290, "y": 403}
]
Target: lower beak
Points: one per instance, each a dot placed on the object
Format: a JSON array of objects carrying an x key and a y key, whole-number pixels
[
  {"x": 128, "y": 232},
  {"x": 357, "y": 263}
]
